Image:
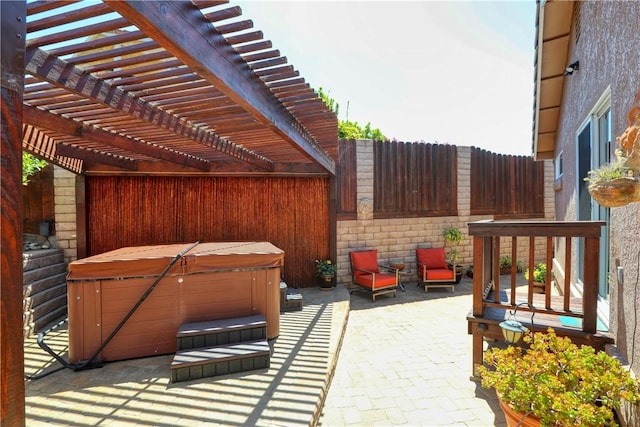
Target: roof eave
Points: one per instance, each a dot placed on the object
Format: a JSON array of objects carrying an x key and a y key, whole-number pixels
[{"x": 553, "y": 34}]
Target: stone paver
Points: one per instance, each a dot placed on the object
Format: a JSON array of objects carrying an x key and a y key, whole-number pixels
[
  {"x": 139, "y": 392},
  {"x": 407, "y": 361},
  {"x": 402, "y": 361}
]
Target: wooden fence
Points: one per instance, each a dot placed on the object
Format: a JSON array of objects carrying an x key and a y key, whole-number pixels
[
  {"x": 38, "y": 201},
  {"x": 420, "y": 180},
  {"x": 507, "y": 187},
  {"x": 347, "y": 180},
  {"x": 414, "y": 180},
  {"x": 291, "y": 213},
  {"x": 409, "y": 180}
]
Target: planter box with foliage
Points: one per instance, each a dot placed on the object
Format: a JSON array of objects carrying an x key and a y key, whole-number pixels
[
  {"x": 559, "y": 382},
  {"x": 506, "y": 263}
]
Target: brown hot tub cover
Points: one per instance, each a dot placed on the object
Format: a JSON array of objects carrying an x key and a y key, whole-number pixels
[{"x": 143, "y": 261}]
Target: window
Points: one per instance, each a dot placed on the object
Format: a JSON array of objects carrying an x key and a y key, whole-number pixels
[
  {"x": 558, "y": 166},
  {"x": 593, "y": 145}
]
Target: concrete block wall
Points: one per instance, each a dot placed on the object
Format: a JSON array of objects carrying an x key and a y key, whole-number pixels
[
  {"x": 397, "y": 238},
  {"x": 64, "y": 184}
]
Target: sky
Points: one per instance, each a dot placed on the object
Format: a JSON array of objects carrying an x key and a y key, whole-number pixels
[{"x": 451, "y": 72}]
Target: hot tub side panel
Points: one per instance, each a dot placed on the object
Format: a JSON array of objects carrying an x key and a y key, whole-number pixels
[
  {"x": 266, "y": 298},
  {"x": 151, "y": 330},
  {"x": 85, "y": 317}
]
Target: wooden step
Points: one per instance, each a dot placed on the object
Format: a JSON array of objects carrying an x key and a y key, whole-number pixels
[
  {"x": 220, "y": 360},
  {"x": 220, "y": 332},
  {"x": 32, "y": 260},
  {"x": 51, "y": 311},
  {"x": 44, "y": 289}
]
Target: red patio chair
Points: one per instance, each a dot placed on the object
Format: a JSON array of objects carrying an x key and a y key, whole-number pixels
[
  {"x": 433, "y": 270},
  {"x": 368, "y": 277}
]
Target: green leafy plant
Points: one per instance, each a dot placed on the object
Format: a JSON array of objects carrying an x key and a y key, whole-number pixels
[
  {"x": 559, "y": 382},
  {"x": 452, "y": 238},
  {"x": 610, "y": 171},
  {"x": 324, "y": 267},
  {"x": 30, "y": 166},
  {"x": 506, "y": 262},
  {"x": 539, "y": 273},
  {"x": 348, "y": 129}
]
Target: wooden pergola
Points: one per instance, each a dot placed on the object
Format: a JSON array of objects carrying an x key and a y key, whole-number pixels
[
  {"x": 167, "y": 87},
  {"x": 148, "y": 88}
]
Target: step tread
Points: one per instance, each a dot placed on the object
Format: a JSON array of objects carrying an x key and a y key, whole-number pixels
[
  {"x": 44, "y": 295},
  {"x": 45, "y": 283},
  {"x": 233, "y": 351},
  {"x": 44, "y": 273},
  {"x": 37, "y": 258},
  {"x": 213, "y": 326}
]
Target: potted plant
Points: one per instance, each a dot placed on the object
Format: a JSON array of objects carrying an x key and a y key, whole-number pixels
[
  {"x": 614, "y": 184},
  {"x": 505, "y": 265},
  {"x": 539, "y": 277},
  {"x": 325, "y": 270},
  {"x": 452, "y": 238},
  {"x": 555, "y": 382},
  {"x": 469, "y": 271}
]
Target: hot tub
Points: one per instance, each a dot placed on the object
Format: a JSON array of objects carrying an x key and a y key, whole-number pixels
[{"x": 216, "y": 280}]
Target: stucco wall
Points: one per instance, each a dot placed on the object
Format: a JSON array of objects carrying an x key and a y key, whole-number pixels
[
  {"x": 398, "y": 238},
  {"x": 609, "y": 53}
]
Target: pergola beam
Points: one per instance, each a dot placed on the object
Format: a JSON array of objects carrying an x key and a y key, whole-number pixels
[
  {"x": 94, "y": 157},
  {"x": 62, "y": 74},
  {"x": 180, "y": 28},
  {"x": 53, "y": 122}
]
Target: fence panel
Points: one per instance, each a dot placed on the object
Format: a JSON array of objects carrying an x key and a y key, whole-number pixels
[
  {"x": 414, "y": 179},
  {"x": 38, "y": 201},
  {"x": 347, "y": 180},
  {"x": 506, "y": 186},
  {"x": 138, "y": 211}
]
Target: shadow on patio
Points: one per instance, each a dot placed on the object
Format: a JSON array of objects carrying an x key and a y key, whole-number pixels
[
  {"x": 404, "y": 360},
  {"x": 139, "y": 391}
]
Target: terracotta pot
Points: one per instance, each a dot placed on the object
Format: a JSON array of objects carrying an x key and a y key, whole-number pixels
[
  {"x": 538, "y": 287},
  {"x": 615, "y": 193},
  {"x": 515, "y": 418}
]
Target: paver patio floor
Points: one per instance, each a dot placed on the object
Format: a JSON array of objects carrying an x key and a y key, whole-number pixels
[{"x": 402, "y": 361}]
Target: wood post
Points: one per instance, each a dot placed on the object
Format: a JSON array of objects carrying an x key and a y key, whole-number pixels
[{"x": 12, "y": 50}]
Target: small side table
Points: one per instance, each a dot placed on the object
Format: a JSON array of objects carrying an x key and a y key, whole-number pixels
[{"x": 399, "y": 268}]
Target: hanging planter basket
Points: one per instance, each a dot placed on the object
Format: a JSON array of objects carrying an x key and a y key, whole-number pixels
[{"x": 616, "y": 193}]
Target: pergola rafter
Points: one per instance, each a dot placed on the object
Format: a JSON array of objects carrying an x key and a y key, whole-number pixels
[
  {"x": 62, "y": 74},
  {"x": 188, "y": 85}
]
